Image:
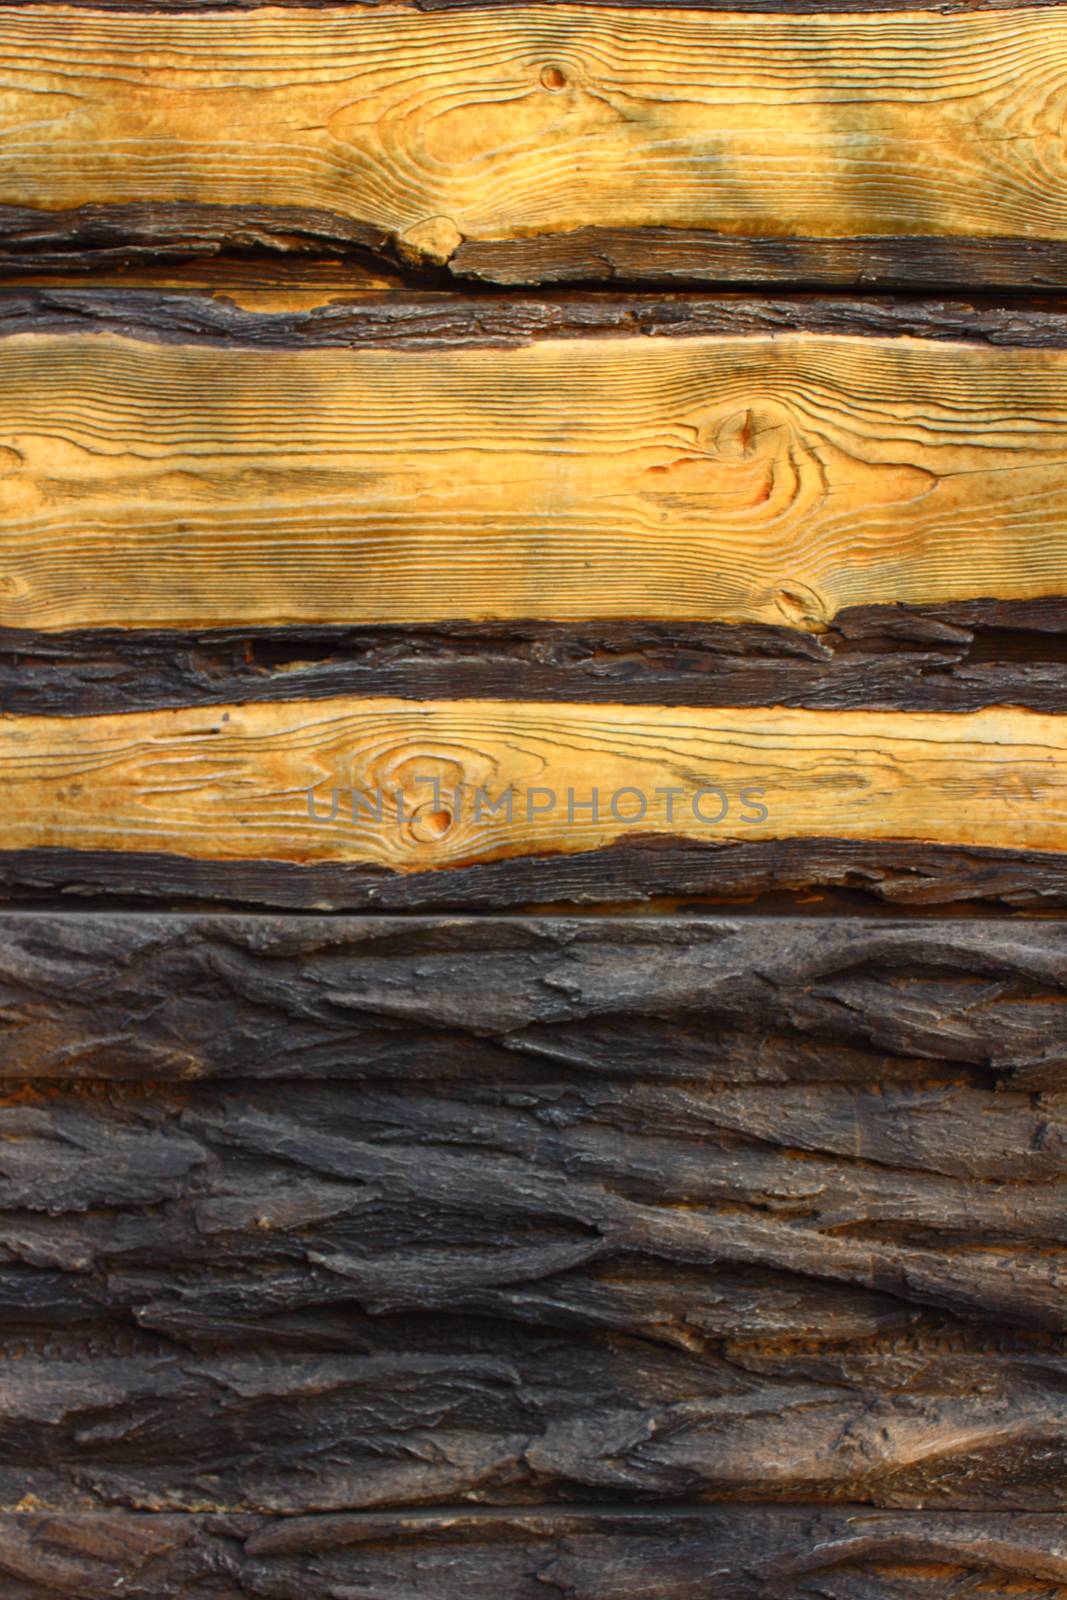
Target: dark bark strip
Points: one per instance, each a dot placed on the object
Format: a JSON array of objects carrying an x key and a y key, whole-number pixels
[
  {"x": 91, "y": 236},
  {"x": 649, "y": 868},
  {"x": 439, "y": 319},
  {"x": 953, "y": 657},
  {"x": 742, "y": 1553},
  {"x": 683, "y": 255},
  {"x": 95, "y": 233}
]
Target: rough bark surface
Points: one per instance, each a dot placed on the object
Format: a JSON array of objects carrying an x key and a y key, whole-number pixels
[
  {"x": 157, "y": 996},
  {"x": 395, "y": 318},
  {"x": 531, "y": 1212},
  {"x": 739, "y": 1554},
  {"x": 635, "y": 872},
  {"x": 743, "y": 1553},
  {"x": 936, "y": 658}
]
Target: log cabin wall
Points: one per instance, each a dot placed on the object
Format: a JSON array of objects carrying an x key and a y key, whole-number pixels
[{"x": 533, "y": 801}]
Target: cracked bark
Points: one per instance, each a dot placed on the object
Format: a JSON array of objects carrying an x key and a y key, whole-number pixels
[
  {"x": 745, "y": 1553},
  {"x": 531, "y": 1212}
]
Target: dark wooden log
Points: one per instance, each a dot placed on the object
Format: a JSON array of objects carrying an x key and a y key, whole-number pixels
[
  {"x": 162, "y": 997},
  {"x": 739, "y": 1553},
  {"x": 532, "y": 1212}
]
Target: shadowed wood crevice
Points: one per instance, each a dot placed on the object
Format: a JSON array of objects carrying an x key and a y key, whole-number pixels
[
  {"x": 801, "y": 1553},
  {"x": 939, "y": 658},
  {"x": 832, "y": 145},
  {"x": 407, "y": 460}
]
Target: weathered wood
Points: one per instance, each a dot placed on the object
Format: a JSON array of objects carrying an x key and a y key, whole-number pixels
[
  {"x": 425, "y": 473},
  {"x": 446, "y": 139},
  {"x": 684, "y": 256},
  {"x": 656, "y": 873},
  {"x": 161, "y": 996},
  {"x": 254, "y": 282},
  {"x": 334, "y": 305},
  {"x": 326, "y": 799},
  {"x": 743, "y": 1553},
  {"x": 757, "y": 1208},
  {"x": 893, "y": 658},
  {"x": 314, "y": 1215},
  {"x": 342, "y": 1411}
]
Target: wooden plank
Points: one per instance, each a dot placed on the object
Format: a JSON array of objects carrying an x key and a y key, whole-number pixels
[
  {"x": 449, "y": 139},
  {"x": 555, "y": 1209},
  {"x": 411, "y": 787},
  {"x": 853, "y": 1554},
  {"x": 389, "y": 463}
]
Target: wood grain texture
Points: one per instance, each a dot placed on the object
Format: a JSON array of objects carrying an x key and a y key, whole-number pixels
[
  {"x": 677, "y": 257},
  {"x": 430, "y": 135},
  {"x": 504, "y": 1211},
  {"x": 253, "y": 282},
  {"x": 415, "y": 787},
  {"x": 745, "y": 1552},
  {"x": 426, "y": 473}
]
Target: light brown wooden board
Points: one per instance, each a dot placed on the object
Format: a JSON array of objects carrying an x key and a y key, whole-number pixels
[
  {"x": 760, "y": 478},
  {"x": 276, "y": 781},
  {"x": 435, "y": 134}
]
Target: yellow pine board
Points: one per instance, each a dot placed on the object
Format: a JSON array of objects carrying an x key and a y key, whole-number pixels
[
  {"x": 772, "y": 479},
  {"x": 491, "y": 124},
  {"x": 234, "y": 782}
]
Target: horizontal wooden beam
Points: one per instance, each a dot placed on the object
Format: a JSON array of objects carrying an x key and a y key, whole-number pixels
[
  {"x": 762, "y": 142},
  {"x": 411, "y": 787},
  {"x": 582, "y": 1554},
  {"x": 390, "y": 463},
  {"x": 330, "y": 798}
]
